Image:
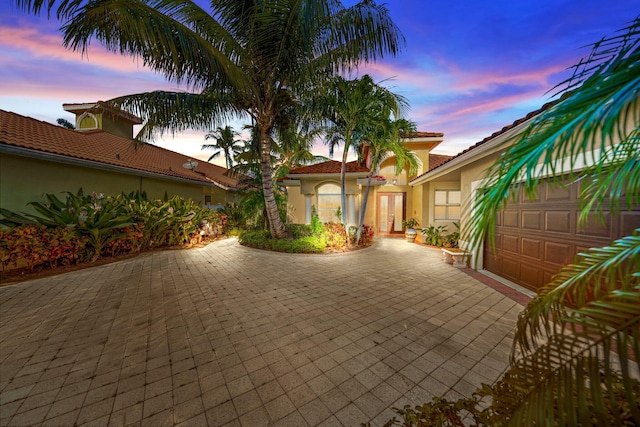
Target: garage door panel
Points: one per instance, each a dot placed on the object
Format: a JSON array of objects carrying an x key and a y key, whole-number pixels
[
  {"x": 595, "y": 225},
  {"x": 511, "y": 269},
  {"x": 492, "y": 262},
  {"x": 558, "y": 253},
  {"x": 532, "y": 220},
  {"x": 556, "y": 193},
  {"x": 510, "y": 219},
  {"x": 532, "y": 248},
  {"x": 510, "y": 244},
  {"x": 558, "y": 221},
  {"x": 529, "y": 275},
  {"x": 529, "y": 199},
  {"x": 629, "y": 221},
  {"x": 546, "y": 278}
]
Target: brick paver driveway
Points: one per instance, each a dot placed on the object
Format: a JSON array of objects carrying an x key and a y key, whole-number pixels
[{"x": 227, "y": 335}]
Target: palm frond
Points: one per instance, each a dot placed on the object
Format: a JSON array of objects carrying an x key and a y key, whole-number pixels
[
  {"x": 175, "y": 112},
  {"x": 601, "y": 274},
  {"x": 587, "y": 132}
]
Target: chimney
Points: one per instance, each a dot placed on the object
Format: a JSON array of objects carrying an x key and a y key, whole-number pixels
[{"x": 100, "y": 115}]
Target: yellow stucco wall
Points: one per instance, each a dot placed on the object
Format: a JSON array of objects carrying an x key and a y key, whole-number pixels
[
  {"x": 24, "y": 180},
  {"x": 296, "y": 207},
  {"x": 296, "y": 199}
]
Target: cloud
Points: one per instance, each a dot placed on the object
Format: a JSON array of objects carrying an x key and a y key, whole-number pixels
[{"x": 34, "y": 44}]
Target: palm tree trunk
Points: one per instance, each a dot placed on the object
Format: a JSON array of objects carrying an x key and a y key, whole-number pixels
[
  {"x": 363, "y": 209},
  {"x": 343, "y": 192},
  {"x": 276, "y": 225}
]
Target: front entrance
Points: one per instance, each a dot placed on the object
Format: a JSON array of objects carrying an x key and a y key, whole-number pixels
[{"x": 391, "y": 211}]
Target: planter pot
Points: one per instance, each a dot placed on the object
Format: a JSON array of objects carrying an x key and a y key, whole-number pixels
[{"x": 410, "y": 234}]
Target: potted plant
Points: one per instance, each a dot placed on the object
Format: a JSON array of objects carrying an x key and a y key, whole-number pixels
[{"x": 410, "y": 232}]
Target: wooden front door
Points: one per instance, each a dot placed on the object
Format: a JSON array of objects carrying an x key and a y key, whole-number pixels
[{"x": 391, "y": 211}]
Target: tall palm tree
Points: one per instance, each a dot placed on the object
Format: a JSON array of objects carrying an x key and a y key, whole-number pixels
[
  {"x": 243, "y": 58},
  {"x": 294, "y": 150},
  {"x": 384, "y": 140},
  {"x": 226, "y": 143},
  {"x": 353, "y": 110}
]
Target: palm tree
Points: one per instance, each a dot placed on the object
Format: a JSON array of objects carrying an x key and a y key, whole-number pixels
[
  {"x": 566, "y": 335},
  {"x": 385, "y": 140},
  {"x": 225, "y": 143},
  {"x": 294, "y": 150},
  {"x": 576, "y": 354},
  {"x": 243, "y": 58},
  {"x": 353, "y": 109}
]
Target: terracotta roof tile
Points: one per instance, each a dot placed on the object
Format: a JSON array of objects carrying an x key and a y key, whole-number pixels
[
  {"x": 103, "y": 147},
  {"x": 436, "y": 160},
  {"x": 330, "y": 166},
  {"x": 423, "y": 135}
]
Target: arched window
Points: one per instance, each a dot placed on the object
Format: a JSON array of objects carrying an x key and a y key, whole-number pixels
[{"x": 328, "y": 202}]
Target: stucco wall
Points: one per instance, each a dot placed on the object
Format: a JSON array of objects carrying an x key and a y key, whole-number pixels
[
  {"x": 24, "y": 180},
  {"x": 296, "y": 202},
  {"x": 296, "y": 208}
]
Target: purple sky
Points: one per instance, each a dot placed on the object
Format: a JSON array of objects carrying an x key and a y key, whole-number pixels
[{"x": 469, "y": 67}]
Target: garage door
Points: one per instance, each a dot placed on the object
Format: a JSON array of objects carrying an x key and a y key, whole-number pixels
[{"x": 535, "y": 238}]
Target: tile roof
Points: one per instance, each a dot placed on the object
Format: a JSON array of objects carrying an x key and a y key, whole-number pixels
[
  {"x": 105, "y": 148},
  {"x": 436, "y": 160},
  {"x": 423, "y": 135},
  {"x": 330, "y": 166},
  {"x": 493, "y": 135}
]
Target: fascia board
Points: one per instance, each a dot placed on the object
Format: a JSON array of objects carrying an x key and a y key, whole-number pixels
[{"x": 330, "y": 175}]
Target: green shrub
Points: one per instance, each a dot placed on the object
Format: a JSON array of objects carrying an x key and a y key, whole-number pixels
[
  {"x": 335, "y": 235},
  {"x": 434, "y": 236},
  {"x": 262, "y": 240},
  {"x": 305, "y": 239},
  {"x": 87, "y": 227}
]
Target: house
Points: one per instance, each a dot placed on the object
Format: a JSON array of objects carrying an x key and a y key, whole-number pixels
[
  {"x": 534, "y": 238},
  {"x": 38, "y": 157},
  {"x": 391, "y": 198}
]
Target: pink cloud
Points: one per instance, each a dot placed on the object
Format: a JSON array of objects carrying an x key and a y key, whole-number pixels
[
  {"x": 450, "y": 78},
  {"x": 43, "y": 45}
]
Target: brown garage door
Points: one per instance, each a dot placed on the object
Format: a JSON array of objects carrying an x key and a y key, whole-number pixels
[{"x": 535, "y": 238}]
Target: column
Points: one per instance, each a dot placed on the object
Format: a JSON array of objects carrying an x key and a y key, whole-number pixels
[
  {"x": 351, "y": 209},
  {"x": 307, "y": 208}
]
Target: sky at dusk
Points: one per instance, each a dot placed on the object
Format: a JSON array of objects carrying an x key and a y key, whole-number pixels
[{"x": 468, "y": 69}]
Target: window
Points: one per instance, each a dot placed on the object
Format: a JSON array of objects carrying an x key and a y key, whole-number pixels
[
  {"x": 447, "y": 205},
  {"x": 328, "y": 202}
]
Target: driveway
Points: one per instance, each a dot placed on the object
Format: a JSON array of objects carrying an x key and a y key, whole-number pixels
[{"x": 227, "y": 335}]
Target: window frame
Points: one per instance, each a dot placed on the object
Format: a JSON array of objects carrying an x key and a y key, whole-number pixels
[
  {"x": 326, "y": 211},
  {"x": 446, "y": 205}
]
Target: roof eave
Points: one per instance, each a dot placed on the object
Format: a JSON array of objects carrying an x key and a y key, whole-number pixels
[
  {"x": 474, "y": 154},
  {"x": 328, "y": 175},
  {"x": 41, "y": 155}
]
